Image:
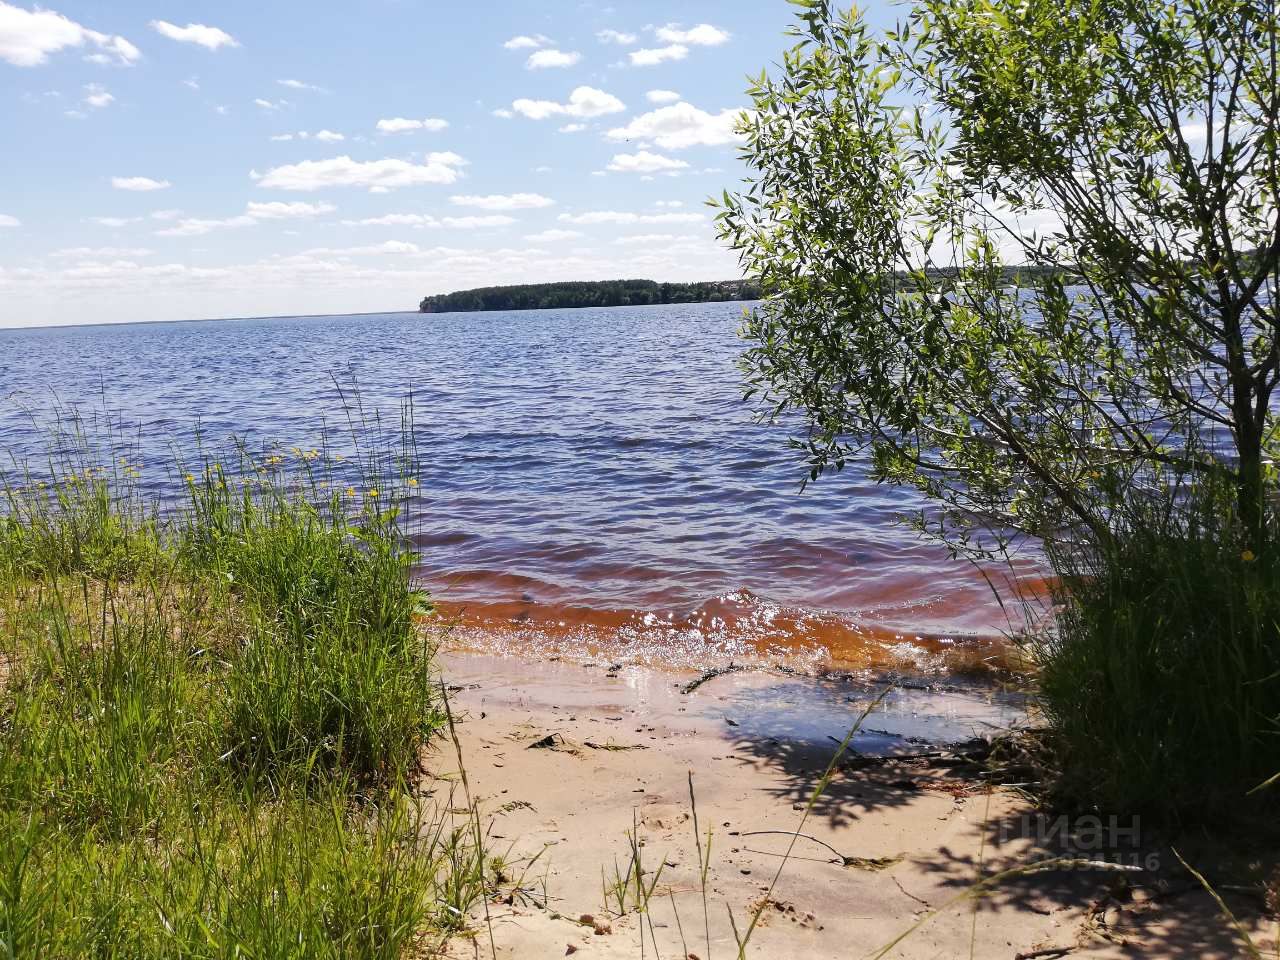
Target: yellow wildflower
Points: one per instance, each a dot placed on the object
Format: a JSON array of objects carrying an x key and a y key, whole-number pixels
[
  {"x": 351, "y": 491},
  {"x": 190, "y": 478},
  {"x": 373, "y": 492},
  {"x": 1247, "y": 556},
  {"x": 413, "y": 482}
]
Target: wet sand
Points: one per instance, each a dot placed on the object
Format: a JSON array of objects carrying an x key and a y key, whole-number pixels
[{"x": 565, "y": 759}]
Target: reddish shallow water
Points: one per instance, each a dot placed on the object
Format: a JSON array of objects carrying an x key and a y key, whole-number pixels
[{"x": 591, "y": 483}]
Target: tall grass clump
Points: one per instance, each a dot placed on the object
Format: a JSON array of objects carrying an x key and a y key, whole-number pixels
[
  {"x": 1161, "y": 680},
  {"x": 213, "y": 700},
  {"x": 332, "y": 672}
]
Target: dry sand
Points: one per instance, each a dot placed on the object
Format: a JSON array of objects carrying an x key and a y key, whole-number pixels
[{"x": 884, "y": 846}]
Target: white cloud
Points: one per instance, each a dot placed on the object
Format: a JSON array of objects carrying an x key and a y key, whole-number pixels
[
  {"x": 211, "y": 38},
  {"x": 114, "y": 221},
  {"x": 299, "y": 85},
  {"x": 197, "y": 227},
  {"x": 572, "y": 128},
  {"x": 166, "y": 214},
  {"x": 329, "y": 136},
  {"x": 504, "y": 113},
  {"x": 662, "y": 96},
  {"x": 95, "y": 95},
  {"x": 584, "y": 102},
  {"x": 652, "y": 56},
  {"x": 270, "y": 104},
  {"x": 553, "y": 236},
  {"x": 644, "y": 162},
  {"x": 139, "y": 184},
  {"x": 402, "y": 125},
  {"x": 648, "y": 239},
  {"x": 375, "y": 175},
  {"x": 542, "y": 59},
  {"x": 499, "y": 201},
  {"x": 703, "y": 35},
  {"x": 279, "y": 210},
  {"x": 395, "y": 220},
  {"x": 397, "y": 247},
  {"x": 193, "y": 83},
  {"x": 111, "y": 253},
  {"x": 254, "y": 213},
  {"x": 679, "y": 126},
  {"x": 614, "y": 216},
  {"x": 616, "y": 36},
  {"x": 526, "y": 42},
  {"x": 282, "y": 137},
  {"x": 27, "y": 37},
  {"x": 8, "y": 221},
  {"x": 670, "y": 204},
  {"x": 468, "y": 223}
]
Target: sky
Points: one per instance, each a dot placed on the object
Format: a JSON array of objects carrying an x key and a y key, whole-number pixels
[{"x": 185, "y": 159}]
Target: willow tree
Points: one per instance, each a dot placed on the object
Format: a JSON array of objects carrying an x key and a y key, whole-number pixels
[{"x": 1123, "y": 155}]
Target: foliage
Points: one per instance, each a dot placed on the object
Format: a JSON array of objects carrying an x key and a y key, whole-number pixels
[
  {"x": 1132, "y": 144},
  {"x": 604, "y": 293}
]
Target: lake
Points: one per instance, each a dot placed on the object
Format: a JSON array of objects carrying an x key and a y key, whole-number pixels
[{"x": 590, "y": 481}]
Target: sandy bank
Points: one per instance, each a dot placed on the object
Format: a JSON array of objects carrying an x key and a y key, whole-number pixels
[{"x": 887, "y": 843}]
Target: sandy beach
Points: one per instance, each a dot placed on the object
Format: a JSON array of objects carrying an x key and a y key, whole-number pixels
[{"x": 565, "y": 759}]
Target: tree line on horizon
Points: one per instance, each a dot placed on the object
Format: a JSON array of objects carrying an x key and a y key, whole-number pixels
[{"x": 602, "y": 293}]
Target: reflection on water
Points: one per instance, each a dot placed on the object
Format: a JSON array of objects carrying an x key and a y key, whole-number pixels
[{"x": 590, "y": 480}]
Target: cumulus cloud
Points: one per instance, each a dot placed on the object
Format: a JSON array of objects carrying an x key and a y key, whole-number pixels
[
  {"x": 662, "y": 96},
  {"x": 324, "y": 136},
  {"x": 477, "y": 222},
  {"x": 616, "y": 36},
  {"x": 648, "y": 239},
  {"x": 703, "y": 35},
  {"x": 504, "y": 113},
  {"x": 254, "y": 213},
  {"x": 614, "y": 216},
  {"x": 553, "y": 236},
  {"x": 670, "y": 204},
  {"x": 165, "y": 214},
  {"x": 644, "y": 162},
  {"x": 8, "y": 221},
  {"x": 584, "y": 102},
  {"x": 211, "y": 38},
  {"x": 374, "y": 175},
  {"x": 526, "y": 42},
  {"x": 108, "y": 253},
  {"x": 403, "y": 125},
  {"x": 572, "y": 128},
  {"x": 501, "y": 201},
  {"x": 279, "y": 210},
  {"x": 422, "y": 220},
  {"x": 139, "y": 184},
  {"x": 542, "y": 59},
  {"x": 96, "y": 95},
  {"x": 679, "y": 126},
  {"x": 652, "y": 56},
  {"x": 28, "y": 37},
  {"x": 113, "y": 221},
  {"x": 299, "y": 85},
  {"x": 395, "y": 220}
]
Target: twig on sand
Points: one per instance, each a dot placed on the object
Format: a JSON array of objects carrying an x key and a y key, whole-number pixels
[
  {"x": 1045, "y": 952},
  {"x": 711, "y": 674}
]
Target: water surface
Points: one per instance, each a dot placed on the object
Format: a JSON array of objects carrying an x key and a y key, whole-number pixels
[{"x": 590, "y": 480}]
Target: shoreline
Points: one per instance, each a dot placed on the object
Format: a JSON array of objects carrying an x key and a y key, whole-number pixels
[{"x": 564, "y": 760}]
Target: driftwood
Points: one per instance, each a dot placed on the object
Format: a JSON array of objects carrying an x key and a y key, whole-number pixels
[{"x": 693, "y": 685}]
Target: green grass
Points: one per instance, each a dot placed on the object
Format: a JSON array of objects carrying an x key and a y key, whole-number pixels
[
  {"x": 1161, "y": 684},
  {"x": 213, "y": 716}
]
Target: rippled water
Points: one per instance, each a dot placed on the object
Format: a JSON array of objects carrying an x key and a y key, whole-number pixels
[{"x": 591, "y": 479}]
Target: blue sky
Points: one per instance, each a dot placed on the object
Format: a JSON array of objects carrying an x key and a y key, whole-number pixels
[{"x": 175, "y": 160}]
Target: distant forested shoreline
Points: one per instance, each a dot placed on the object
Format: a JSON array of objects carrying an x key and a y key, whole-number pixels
[{"x": 603, "y": 293}]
